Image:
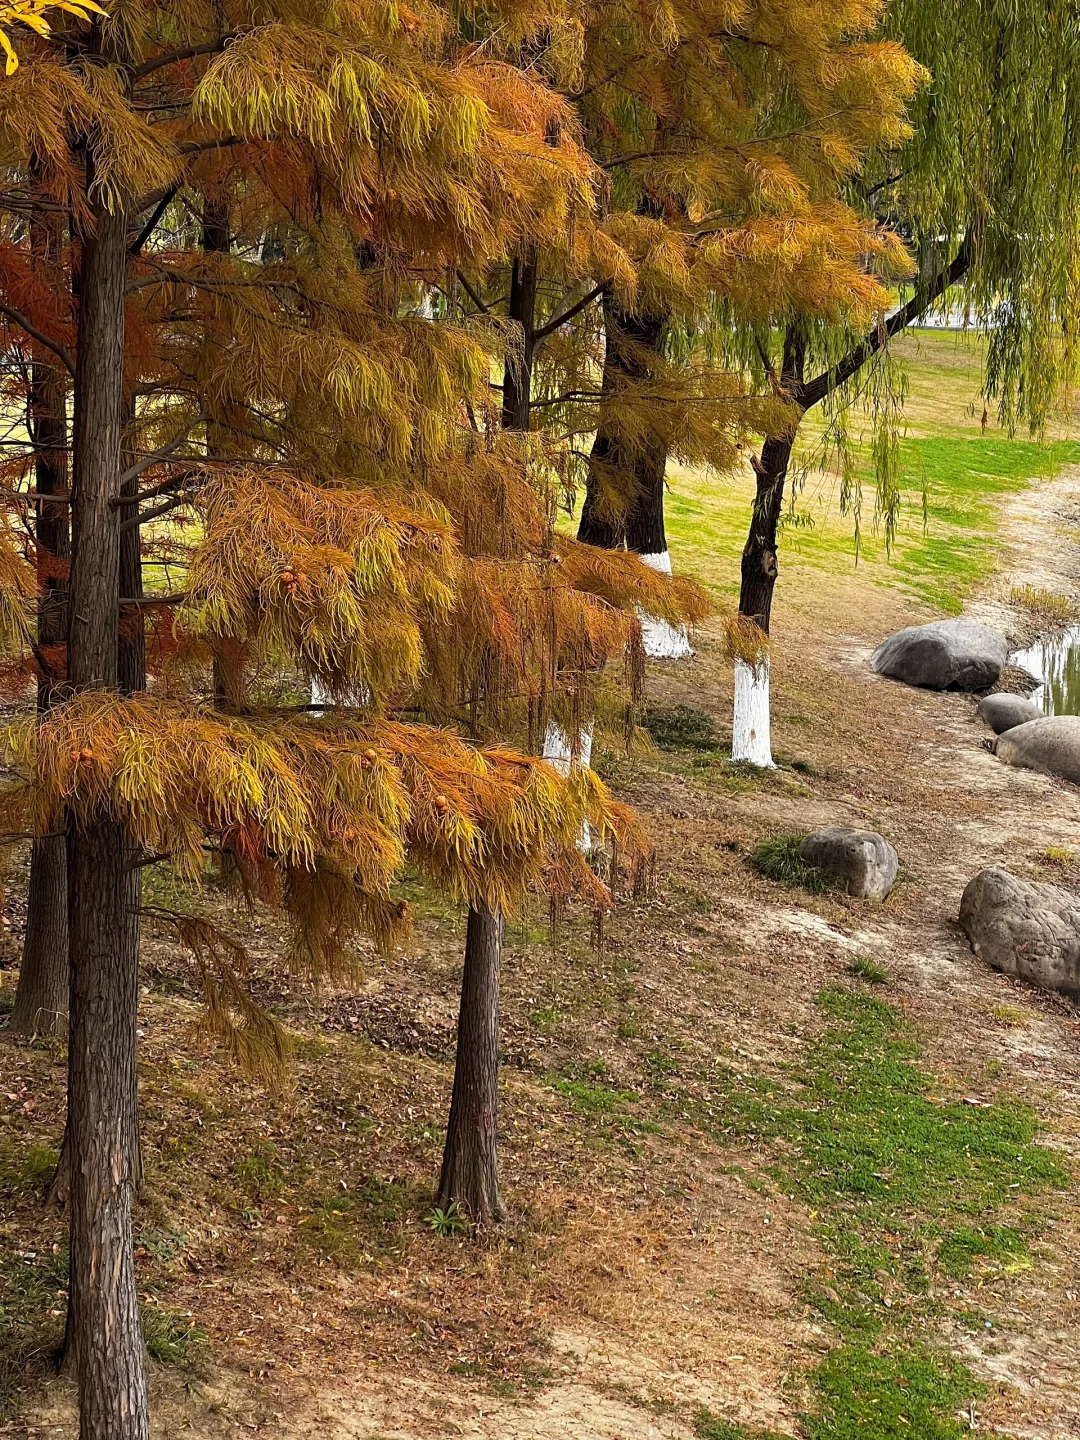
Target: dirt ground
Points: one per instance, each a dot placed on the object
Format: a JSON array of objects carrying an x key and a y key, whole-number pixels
[{"x": 647, "y": 1269}]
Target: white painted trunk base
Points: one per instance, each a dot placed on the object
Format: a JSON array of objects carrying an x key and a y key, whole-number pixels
[
  {"x": 750, "y": 737},
  {"x": 560, "y": 754},
  {"x": 662, "y": 640}
]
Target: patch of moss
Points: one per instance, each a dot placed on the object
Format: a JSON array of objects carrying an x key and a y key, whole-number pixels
[{"x": 361, "y": 1225}]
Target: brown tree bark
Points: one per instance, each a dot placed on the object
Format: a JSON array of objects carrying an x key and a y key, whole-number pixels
[
  {"x": 106, "y": 1326},
  {"x": 470, "y": 1167},
  {"x": 41, "y": 998},
  {"x": 624, "y": 488},
  {"x": 760, "y": 557},
  {"x": 517, "y": 376}
]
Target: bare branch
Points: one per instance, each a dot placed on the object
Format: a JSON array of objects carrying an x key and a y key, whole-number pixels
[
  {"x": 155, "y": 215},
  {"x": 568, "y": 315},
  {"x": 57, "y": 349},
  {"x": 473, "y": 296},
  {"x": 155, "y": 458}
]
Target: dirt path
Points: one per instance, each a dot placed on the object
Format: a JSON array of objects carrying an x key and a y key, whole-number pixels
[
  {"x": 676, "y": 1282},
  {"x": 914, "y": 766}
]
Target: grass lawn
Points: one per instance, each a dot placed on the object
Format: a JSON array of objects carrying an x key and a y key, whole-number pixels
[{"x": 953, "y": 473}]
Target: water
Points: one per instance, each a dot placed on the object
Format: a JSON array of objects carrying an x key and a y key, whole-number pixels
[{"x": 1055, "y": 662}]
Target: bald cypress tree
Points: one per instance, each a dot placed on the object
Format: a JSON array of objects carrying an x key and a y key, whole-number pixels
[{"x": 287, "y": 390}]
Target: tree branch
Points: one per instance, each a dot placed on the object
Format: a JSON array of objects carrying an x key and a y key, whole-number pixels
[
  {"x": 57, "y": 349},
  {"x": 148, "y": 229},
  {"x": 155, "y": 458},
  {"x": 174, "y": 57},
  {"x": 154, "y": 514},
  {"x": 567, "y": 315},
  {"x": 814, "y": 391},
  {"x": 473, "y": 296},
  {"x": 199, "y": 147}
]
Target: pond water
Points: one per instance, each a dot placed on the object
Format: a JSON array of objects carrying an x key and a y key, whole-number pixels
[{"x": 1055, "y": 662}]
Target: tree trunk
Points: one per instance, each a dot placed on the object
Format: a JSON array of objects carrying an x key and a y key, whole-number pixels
[
  {"x": 624, "y": 488},
  {"x": 517, "y": 375},
  {"x": 41, "y": 998},
  {"x": 470, "y": 1167},
  {"x": 760, "y": 562},
  {"x": 104, "y": 965},
  {"x": 751, "y": 738}
]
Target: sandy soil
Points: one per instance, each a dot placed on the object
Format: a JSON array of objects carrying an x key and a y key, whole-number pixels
[{"x": 658, "y": 1299}]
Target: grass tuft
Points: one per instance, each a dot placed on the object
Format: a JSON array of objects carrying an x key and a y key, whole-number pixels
[
  {"x": 778, "y": 859},
  {"x": 172, "y": 1339},
  {"x": 1044, "y": 605},
  {"x": 680, "y": 727},
  {"x": 865, "y": 967}
]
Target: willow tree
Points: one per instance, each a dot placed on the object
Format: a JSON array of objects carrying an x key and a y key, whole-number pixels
[
  {"x": 986, "y": 190},
  {"x": 289, "y": 398}
]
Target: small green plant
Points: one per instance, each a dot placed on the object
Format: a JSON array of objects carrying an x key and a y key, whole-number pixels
[
  {"x": 172, "y": 1339},
  {"x": 260, "y": 1171},
  {"x": 778, "y": 859},
  {"x": 449, "y": 1222},
  {"x": 629, "y": 1027},
  {"x": 865, "y": 967},
  {"x": 593, "y": 1099},
  {"x": 680, "y": 727},
  {"x": 547, "y": 1018},
  {"x": 30, "y": 1170}
]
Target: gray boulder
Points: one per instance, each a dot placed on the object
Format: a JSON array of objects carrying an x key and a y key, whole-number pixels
[
  {"x": 862, "y": 860},
  {"x": 1024, "y": 929},
  {"x": 1050, "y": 744},
  {"x": 1004, "y": 712},
  {"x": 944, "y": 655}
]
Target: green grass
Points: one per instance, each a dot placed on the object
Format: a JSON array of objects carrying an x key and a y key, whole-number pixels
[
  {"x": 778, "y": 859},
  {"x": 910, "y": 1192},
  {"x": 680, "y": 727},
  {"x": 963, "y": 471},
  {"x": 33, "y": 1303},
  {"x": 362, "y": 1225},
  {"x": 714, "y": 1427},
  {"x": 172, "y": 1339},
  {"x": 865, "y": 967}
]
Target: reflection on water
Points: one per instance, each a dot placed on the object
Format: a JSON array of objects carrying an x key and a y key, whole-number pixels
[{"x": 1055, "y": 661}]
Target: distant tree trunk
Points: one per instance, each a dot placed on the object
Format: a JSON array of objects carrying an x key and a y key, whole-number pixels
[
  {"x": 517, "y": 375},
  {"x": 752, "y": 722},
  {"x": 104, "y": 965},
  {"x": 470, "y": 1167},
  {"x": 41, "y": 998},
  {"x": 624, "y": 489}
]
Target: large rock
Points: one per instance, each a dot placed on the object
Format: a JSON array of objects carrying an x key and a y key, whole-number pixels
[
  {"x": 863, "y": 861},
  {"x": 944, "y": 655},
  {"x": 1004, "y": 712},
  {"x": 1050, "y": 744},
  {"x": 1025, "y": 929}
]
